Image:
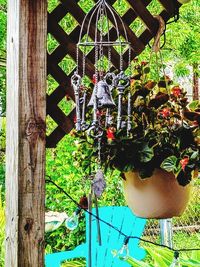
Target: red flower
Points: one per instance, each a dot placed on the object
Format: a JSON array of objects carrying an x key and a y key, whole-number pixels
[
  {"x": 110, "y": 134},
  {"x": 184, "y": 162},
  {"x": 94, "y": 79},
  {"x": 195, "y": 123},
  {"x": 75, "y": 119},
  {"x": 165, "y": 112},
  {"x": 144, "y": 63},
  {"x": 176, "y": 91},
  {"x": 99, "y": 113}
]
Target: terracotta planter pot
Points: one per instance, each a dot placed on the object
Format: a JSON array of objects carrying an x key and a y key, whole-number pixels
[{"x": 159, "y": 196}]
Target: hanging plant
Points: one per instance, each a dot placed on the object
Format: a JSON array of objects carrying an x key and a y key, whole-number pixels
[
  {"x": 133, "y": 123},
  {"x": 160, "y": 135},
  {"x": 164, "y": 131}
]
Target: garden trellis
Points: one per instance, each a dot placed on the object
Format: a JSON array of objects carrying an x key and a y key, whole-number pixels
[
  {"x": 66, "y": 46},
  {"x": 26, "y": 109}
]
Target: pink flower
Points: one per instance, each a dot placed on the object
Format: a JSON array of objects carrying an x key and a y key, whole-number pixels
[{"x": 184, "y": 162}]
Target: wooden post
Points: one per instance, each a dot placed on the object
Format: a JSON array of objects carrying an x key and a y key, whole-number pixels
[{"x": 25, "y": 145}]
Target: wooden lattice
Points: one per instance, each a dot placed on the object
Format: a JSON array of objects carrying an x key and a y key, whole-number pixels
[{"x": 67, "y": 47}]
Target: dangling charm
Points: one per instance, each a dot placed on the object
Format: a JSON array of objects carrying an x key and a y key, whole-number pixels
[
  {"x": 103, "y": 96},
  {"x": 124, "y": 250},
  {"x": 99, "y": 183},
  {"x": 176, "y": 262},
  {"x": 72, "y": 222}
]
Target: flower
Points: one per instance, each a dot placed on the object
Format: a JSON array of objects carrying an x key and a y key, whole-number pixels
[
  {"x": 100, "y": 113},
  {"x": 184, "y": 162},
  {"x": 176, "y": 91},
  {"x": 94, "y": 79},
  {"x": 165, "y": 113},
  {"x": 110, "y": 133},
  {"x": 144, "y": 63},
  {"x": 195, "y": 123}
]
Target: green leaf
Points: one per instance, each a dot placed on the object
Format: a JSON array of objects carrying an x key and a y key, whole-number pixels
[
  {"x": 189, "y": 263},
  {"x": 169, "y": 255},
  {"x": 161, "y": 258},
  {"x": 194, "y": 155},
  {"x": 194, "y": 105},
  {"x": 169, "y": 164},
  {"x": 146, "y": 154},
  {"x": 135, "y": 263},
  {"x": 196, "y": 255},
  {"x": 146, "y": 70}
]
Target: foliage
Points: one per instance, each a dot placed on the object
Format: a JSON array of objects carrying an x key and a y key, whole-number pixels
[
  {"x": 75, "y": 263},
  {"x": 164, "y": 131},
  {"x": 63, "y": 170},
  {"x": 163, "y": 257},
  {"x": 182, "y": 47},
  {"x": 2, "y": 231}
]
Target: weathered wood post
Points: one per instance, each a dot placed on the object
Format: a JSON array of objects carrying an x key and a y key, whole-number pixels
[{"x": 26, "y": 112}]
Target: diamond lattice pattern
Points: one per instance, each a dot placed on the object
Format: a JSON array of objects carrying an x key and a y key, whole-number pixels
[{"x": 62, "y": 54}]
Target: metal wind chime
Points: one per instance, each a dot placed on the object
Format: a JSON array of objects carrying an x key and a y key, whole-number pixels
[
  {"x": 95, "y": 24},
  {"x": 105, "y": 82}
]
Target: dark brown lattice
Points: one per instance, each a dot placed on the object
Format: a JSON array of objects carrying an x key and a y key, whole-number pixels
[{"x": 64, "y": 52}]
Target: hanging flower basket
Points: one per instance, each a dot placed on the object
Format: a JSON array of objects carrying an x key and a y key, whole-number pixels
[
  {"x": 156, "y": 148},
  {"x": 160, "y": 196},
  {"x": 134, "y": 120}
]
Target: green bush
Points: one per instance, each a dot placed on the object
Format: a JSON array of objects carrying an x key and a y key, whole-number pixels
[
  {"x": 161, "y": 257},
  {"x": 63, "y": 170}
]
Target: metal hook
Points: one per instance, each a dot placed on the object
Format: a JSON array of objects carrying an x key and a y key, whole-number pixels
[
  {"x": 76, "y": 80},
  {"x": 95, "y": 132}
]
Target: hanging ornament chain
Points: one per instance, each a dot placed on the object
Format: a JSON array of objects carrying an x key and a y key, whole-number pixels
[
  {"x": 84, "y": 57},
  {"x": 99, "y": 152},
  {"x": 77, "y": 59},
  {"x": 156, "y": 48},
  {"x": 101, "y": 41},
  {"x": 121, "y": 59}
]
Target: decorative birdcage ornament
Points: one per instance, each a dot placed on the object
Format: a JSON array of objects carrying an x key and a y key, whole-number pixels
[{"x": 98, "y": 21}]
